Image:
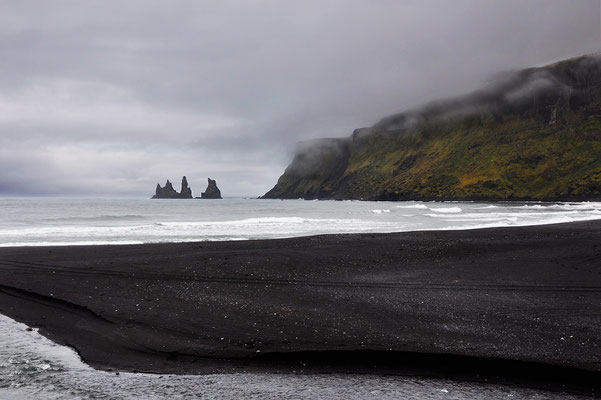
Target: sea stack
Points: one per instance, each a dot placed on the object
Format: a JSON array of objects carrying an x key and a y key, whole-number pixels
[
  {"x": 212, "y": 191},
  {"x": 168, "y": 192},
  {"x": 185, "y": 192}
]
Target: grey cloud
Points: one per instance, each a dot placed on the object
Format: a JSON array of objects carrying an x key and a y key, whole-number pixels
[
  {"x": 531, "y": 87},
  {"x": 225, "y": 89}
]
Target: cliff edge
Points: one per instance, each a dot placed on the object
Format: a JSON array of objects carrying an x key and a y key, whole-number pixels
[{"x": 533, "y": 134}]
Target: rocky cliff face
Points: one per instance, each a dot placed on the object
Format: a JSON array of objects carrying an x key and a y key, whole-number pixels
[
  {"x": 532, "y": 134},
  {"x": 212, "y": 191},
  {"x": 168, "y": 192}
]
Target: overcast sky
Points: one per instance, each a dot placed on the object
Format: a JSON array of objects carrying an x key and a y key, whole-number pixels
[{"x": 111, "y": 97}]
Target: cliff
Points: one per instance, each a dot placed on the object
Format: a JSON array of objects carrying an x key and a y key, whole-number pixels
[
  {"x": 212, "y": 191},
  {"x": 168, "y": 192},
  {"x": 533, "y": 134}
]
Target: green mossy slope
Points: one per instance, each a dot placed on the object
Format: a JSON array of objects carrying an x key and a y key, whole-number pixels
[{"x": 536, "y": 135}]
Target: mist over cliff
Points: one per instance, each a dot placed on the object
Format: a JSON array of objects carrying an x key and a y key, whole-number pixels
[{"x": 529, "y": 134}]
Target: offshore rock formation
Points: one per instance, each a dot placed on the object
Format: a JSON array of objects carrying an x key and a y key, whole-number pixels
[
  {"x": 533, "y": 134},
  {"x": 168, "y": 192},
  {"x": 212, "y": 191}
]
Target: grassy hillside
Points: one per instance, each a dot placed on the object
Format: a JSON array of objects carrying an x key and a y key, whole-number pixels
[{"x": 535, "y": 134}]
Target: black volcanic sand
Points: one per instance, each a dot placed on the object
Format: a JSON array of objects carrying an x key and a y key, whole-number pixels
[{"x": 516, "y": 305}]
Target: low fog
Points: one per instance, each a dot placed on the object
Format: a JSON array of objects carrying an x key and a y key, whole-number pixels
[{"x": 109, "y": 98}]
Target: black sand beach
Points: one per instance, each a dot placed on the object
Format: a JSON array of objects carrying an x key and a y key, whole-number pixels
[{"x": 516, "y": 305}]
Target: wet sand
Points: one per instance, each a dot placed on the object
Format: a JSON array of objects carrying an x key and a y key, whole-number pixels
[{"x": 517, "y": 305}]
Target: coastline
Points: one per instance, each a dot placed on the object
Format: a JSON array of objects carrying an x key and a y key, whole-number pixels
[
  {"x": 445, "y": 199},
  {"x": 479, "y": 304}
]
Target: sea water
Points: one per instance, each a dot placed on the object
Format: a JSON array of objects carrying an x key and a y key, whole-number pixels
[
  {"x": 33, "y": 367},
  {"x": 54, "y": 221}
]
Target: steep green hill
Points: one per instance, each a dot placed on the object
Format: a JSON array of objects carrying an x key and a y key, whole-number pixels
[{"x": 534, "y": 134}]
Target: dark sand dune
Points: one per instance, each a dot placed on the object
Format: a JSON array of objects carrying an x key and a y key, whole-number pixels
[{"x": 518, "y": 305}]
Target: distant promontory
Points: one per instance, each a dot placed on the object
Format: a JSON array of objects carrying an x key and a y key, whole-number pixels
[
  {"x": 533, "y": 134},
  {"x": 168, "y": 192}
]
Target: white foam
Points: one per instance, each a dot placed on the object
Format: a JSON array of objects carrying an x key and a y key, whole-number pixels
[
  {"x": 71, "y": 243},
  {"x": 446, "y": 209},
  {"x": 579, "y": 206},
  {"x": 418, "y": 206},
  {"x": 495, "y": 224}
]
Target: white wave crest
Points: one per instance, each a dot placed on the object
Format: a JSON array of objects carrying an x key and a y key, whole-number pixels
[
  {"x": 418, "y": 206},
  {"x": 446, "y": 209}
]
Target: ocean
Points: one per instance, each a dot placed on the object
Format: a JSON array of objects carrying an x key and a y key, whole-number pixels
[
  {"x": 33, "y": 367},
  {"x": 56, "y": 221}
]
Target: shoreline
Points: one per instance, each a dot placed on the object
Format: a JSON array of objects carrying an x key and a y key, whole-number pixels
[
  {"x": 140, "y": 243},
  {"x": 479, "y": 304},
  {"x": 448, "y": 199}
]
